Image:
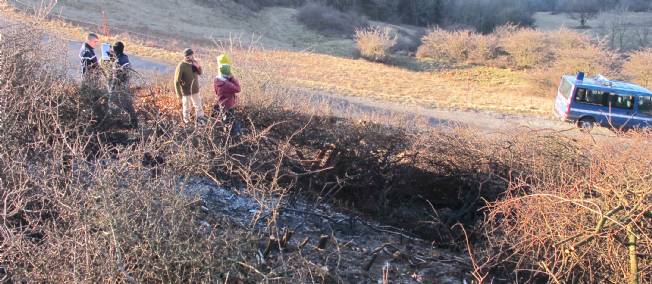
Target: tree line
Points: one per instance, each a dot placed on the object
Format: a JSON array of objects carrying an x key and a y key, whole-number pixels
[{"x": 482, "y": 15}]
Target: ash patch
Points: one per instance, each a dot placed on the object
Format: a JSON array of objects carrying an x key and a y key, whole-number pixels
[{"x": 346, "y": 247}]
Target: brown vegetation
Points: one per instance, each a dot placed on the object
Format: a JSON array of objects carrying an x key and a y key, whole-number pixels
[
  {"x": 460, "y": 46},
  {"x": 639, "y": 67},
  {"x": 584, "y": 219},
  {"x": 546, "y": 55},
  {"x": 375, "y": 43}
]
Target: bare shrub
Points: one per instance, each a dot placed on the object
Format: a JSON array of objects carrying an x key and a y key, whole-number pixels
[
  {"x": 329, "y": 20},
  {"x": 639, "y": 67},
  {"x": 565, "y": 39},
  {"x": 446, "y": 46},
  {"x": 527, "y": 48},
  {"x": 460, "y": 46},
  {"x": 572, "y": 52},
  {"x": 585, "y": 220},
  {"x": 506, "y": 30},
  {"x": 486, "y": 49},
  {"x": 375, "y": 43}
]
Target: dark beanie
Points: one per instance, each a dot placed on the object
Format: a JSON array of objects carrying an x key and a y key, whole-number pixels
[
  {"x": 188, "y": 52},
  {"x": 119, "y": 47}
]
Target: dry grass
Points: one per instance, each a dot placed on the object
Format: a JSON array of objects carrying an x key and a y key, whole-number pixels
[{"x": 480, "y": 88}]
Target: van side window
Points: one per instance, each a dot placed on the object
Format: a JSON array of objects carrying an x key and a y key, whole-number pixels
[
  {"x": 590, "y": 96},
  {"x": 620, "y": 101},
  {"x": 645, "y": 105},
  {"x": 580, "y": 96}
]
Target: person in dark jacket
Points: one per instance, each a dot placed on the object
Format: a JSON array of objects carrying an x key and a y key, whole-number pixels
[
  {"x": 186, "y": 83},
  {"x": 120, "y": 76},
  {"x": 90, "y": 67}
]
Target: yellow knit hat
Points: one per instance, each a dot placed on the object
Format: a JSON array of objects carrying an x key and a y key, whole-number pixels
[{"x": 223, "y": 59}]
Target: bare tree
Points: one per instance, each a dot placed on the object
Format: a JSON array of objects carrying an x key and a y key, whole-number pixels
[{"x": 581, "y": 10}]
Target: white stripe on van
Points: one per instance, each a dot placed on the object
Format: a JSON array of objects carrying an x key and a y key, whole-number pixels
[{"x": 629, "y": 117}]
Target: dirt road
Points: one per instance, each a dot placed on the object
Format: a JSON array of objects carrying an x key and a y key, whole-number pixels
[{"x": 487, "y": 121}]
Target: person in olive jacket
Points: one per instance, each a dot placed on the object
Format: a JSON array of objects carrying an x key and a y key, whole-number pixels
[{"x": 186, "y": 82}]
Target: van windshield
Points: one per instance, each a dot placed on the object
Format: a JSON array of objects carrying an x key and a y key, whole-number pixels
[{"x": 565, "y": 88}]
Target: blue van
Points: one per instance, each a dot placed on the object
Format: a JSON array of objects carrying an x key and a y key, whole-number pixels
[{"x": 598, "y": 100}]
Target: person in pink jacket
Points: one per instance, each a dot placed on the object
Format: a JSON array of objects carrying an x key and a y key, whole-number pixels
[{"x": 226, "y": 88}]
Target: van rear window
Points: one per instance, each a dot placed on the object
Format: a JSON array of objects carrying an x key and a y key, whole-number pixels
[{"x": 565, "y": 88}]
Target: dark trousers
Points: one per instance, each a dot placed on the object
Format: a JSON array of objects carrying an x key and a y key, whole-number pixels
[
  {"x": 227, "y": 117},
  {"x": 123, "y": 98}
]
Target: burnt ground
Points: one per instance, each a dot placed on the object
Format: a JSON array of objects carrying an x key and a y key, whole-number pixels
[{"x": 355, "y": 249}]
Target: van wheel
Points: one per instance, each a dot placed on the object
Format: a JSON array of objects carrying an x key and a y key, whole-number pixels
[{"x": 586, "y": 124}]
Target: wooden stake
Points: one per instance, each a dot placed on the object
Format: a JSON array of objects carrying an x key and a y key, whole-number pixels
[
  {"x": 304, "y": 243},
  {"x": 287, "y": 235},
  {"x": 271, "y": 242},
  {"x": 633, "y": 258},
  {"x": 323, "y": 242}
]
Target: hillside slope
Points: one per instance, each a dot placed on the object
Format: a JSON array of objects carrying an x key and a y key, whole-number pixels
[
  {"x": 274, "y": 27},
  {"x": 474, "y": 88}
]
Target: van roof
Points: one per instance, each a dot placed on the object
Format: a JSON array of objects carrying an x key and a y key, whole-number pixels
[{"x": 603, "y": 84}]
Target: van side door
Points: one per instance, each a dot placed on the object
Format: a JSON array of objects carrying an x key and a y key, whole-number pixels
[
  {"x": 621, "y": 110},
  {"x": 590, "y": 103}
]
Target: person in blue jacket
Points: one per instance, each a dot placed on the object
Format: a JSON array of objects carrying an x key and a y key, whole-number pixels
[
  {"x": 90, "y": 67},
  {"x": 121, "y": 71}
]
